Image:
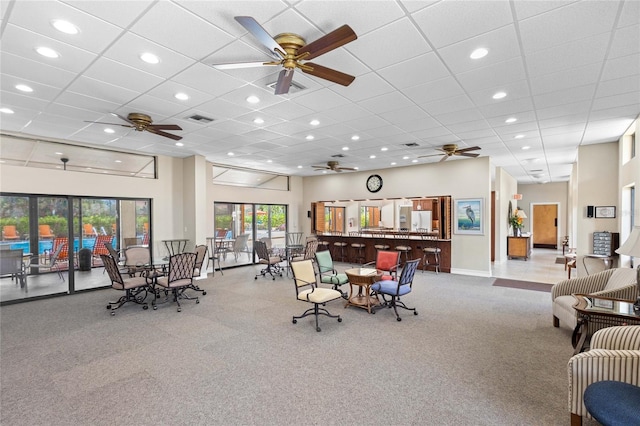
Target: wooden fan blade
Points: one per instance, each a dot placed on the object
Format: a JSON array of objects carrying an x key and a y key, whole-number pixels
[
  {"x": 328, "y": 42},
  {"x": 328, "y": 74},
  {"x": 165, "y": 134},
  {"x": 164, "y": 126},
  {"x": 467, "y": 154},
  {"x": 444, "y": 158},
  {"x": 321, "y": 167},
  {"x": 110, "y": 124},
  {"x": 237, "y": 65},
  {"x": 259, "y": 33},
  {"x": 123, "y": 118},
  {"x": 473, "y": 148},
  {"x": 284, "y": 82},
  {"x": 431, "y": 155},
  {"x": 345, "y": 168}
]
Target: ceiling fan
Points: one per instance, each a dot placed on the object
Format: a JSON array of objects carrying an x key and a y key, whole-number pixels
[
  {"x": 452, "y": 149},
  {"x": 289, "y": 50},
  {"x": 333, "y": 165},
  {"x": 141, "y": 122}
]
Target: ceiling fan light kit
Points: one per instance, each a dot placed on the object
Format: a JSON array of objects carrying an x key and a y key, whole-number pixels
[{"x": 289, "y": 50}]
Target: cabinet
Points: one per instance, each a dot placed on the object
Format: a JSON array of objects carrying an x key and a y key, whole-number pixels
[
  {"x": 605, "y": 243},
  {"x": 519, "y": 247}
]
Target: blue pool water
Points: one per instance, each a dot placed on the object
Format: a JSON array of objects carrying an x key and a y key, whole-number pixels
[{"x": 47, "y": 245}]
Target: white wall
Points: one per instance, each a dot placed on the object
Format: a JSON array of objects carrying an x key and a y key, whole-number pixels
[
  {"x": 465, "y": 178},
  {"x": 505, "y": 186}
]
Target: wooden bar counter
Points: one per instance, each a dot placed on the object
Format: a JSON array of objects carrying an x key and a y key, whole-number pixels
[{"x": 414, "y": 241}]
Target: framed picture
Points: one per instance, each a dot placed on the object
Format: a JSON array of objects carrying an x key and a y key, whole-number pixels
[
  {"x": 605, "y": 212},
  {"x": 469, "y": 216}
]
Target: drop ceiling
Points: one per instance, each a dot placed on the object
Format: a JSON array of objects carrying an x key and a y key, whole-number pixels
[{"x": 570, "y": 71}]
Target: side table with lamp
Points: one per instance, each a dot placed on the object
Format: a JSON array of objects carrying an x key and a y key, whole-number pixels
[{"x": 631, "y": 247}]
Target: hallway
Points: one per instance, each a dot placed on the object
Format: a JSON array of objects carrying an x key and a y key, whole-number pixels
[{"x": 541, "y": 267}]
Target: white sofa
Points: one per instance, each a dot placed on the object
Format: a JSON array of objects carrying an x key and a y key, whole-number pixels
[
  {"x": 617, "y": 283},
  {"x": 614, "y": 355}
]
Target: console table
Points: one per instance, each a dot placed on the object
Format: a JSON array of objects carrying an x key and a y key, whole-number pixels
[{"x": 519, "y": 247}]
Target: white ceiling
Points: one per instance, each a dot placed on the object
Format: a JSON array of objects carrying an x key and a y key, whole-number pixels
[{"x": 571, "y": 71}]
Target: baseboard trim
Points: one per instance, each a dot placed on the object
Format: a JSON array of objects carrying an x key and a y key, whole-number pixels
[{"x": 549, "y": 246}]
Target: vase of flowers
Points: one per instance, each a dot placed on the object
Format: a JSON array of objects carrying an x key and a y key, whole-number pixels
[{"x": 516, "y": 221}]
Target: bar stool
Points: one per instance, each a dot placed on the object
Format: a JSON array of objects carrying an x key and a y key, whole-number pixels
[
  {"x": 322, "y": 243},
  {"x": 338, "y": 246},
  {"x": 403, "y": 248},
  {"x": 380, "y": 243},
  {"x": 358, "y": 247},
  {"x": 430, "y": 251}
]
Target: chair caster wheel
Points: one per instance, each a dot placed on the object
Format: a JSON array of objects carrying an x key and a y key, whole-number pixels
[
  {"x": 274, "y": 278},
  {"x": 108, "y": 306},
  {"x": 318, "y": 329},
  {"x": 256, "y": 277},
  {"x": 204, "y": 293},
  {"x": 399, "y": 319},
  {"x": 113, "y": 314},
  {"x": 415, "y": 313},
  {"x": 145, "y": 307},
  {"x": 339, "y": 319},
  {"x": 295, "y": 321},
  {"x": 197, "y": 301},
  {"x": 179, "y": 309},
  {"x": 155, "y": 307}
]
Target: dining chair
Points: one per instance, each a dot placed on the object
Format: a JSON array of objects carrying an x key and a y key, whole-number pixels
[
  {"x": 11, "y": 263},
  {"x": 395, "y": 289},
  {"x": 388, "y": 262},
  {"x": 307, "y": 290},
  {"x": 201, "y": 255},
  {"x": 241, "y": 245},
  {"x": 272, "y": 263},
  {"x": 137, "y": 259},
  {"x": 328, "y": 273},
  {"x": 135, "y": 288},
  {"x": 178, "y": 279},
  {"x": 214, "y": 254}
]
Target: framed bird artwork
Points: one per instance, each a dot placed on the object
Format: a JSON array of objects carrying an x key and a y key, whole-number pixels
[{"x": 469, "y": 216}]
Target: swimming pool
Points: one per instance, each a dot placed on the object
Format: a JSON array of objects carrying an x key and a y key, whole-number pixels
[{"x": 47, "y": 245}]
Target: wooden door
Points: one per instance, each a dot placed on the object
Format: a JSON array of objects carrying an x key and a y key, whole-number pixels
[{"x": 545, "y": 226}]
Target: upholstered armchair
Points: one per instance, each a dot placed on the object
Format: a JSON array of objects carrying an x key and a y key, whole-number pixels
[
  {"x": 614, "y": 355},
  {"x": 618, "y": 283}
]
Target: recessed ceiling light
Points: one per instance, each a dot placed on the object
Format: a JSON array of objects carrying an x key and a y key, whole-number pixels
[
  {"x": 181, "y": 96},
  {"x": 480, "y": 52},
  {"x": 269, "y": 161},
  {"x": 345, "y": 148},
  {"x": 314, "y": 122},
  {"x": 405, "y": 157},
  {"x": 309, "y": 137},
  {"x": 518, "y": 136},
  {"x": 118, "y": 161},
  {"x": 324, "y": 172},
  {"x": 511, "y": 120},
  {"x": 47, "y": 52},
  {"x": 6, "y": 110},
  {"x": 230, "y": 154},
  {"x": 105, "y": 172},
  {"x": 355, "y": 137},
  {"x": 258, "y": 120},
  {"x": 393, "y": 163},
  {"x": 108, "y": 130},
  {"x": 24, "y": 88},
  {"x": 149, "y": 58},
  {"x": 526, "y": 147},
  {"x": 499, "y": 95},
  {"x": 253, "y": 99},
  {"x": 384, "y": 148},
  {"x": 179, "y": 144},
  {"x": 357, "y": 168},
  {"x": 88, "y": 168},
  {"x": 58, "y": 153},
  {"x": 415, "y": 160},
  {"x": 372, "y": 156},
  {"x": 299, "y": 167},
  {"x": 65, "y": 26}
]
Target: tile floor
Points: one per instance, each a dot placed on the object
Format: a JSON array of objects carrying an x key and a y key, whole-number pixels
[{"x": 541, "y": 267}]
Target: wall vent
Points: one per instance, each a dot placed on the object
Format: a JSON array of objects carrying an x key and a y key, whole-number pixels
[{"x": 411, "y": 144}]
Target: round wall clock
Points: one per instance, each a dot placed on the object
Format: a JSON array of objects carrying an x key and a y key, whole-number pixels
[{"x": 374, "y": 183}]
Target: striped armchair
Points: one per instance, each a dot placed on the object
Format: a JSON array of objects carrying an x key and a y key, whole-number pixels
[
  {"x": 618, "y": 283},
  {"x": 614, "y": 355}
]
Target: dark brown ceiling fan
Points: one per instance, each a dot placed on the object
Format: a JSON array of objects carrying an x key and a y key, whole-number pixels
[
  {"x": 141, "y": 122},
  {"x": 334, "y": 166},
  {"x": 290, "y": 50},
  {"x": 452, "y": 149}
]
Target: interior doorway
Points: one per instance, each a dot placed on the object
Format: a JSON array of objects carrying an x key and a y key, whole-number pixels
[{"x": 544, "y": 225}]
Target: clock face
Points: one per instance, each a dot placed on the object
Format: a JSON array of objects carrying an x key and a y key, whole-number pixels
[{"x": 374, "y": 183}]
